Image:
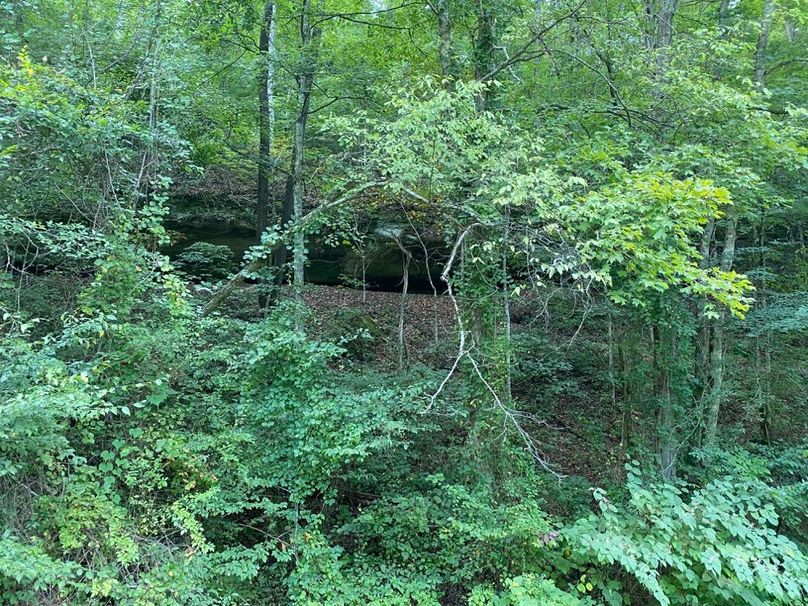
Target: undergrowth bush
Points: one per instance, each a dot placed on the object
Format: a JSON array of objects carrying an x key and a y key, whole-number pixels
[
  {"x": 206, "y": 261},
  {"x": 717, "y": 544}
]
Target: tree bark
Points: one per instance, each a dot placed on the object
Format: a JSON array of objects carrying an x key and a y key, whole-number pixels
[
  {"x": 664, "y": 33},
  {"x": 266, "y": 124},
  {"x": 763, "y": 41},
  {"x": 266, "y": 116},
  {"x": 227, "y": 289},
  {"x": 403, "y": 354},
  {"x": 281, "y": 254},
  {"x": 701, "y": 360},
  {"x": 764, "y": 350},
  {"x": 724, "y": 9},
  {"x": 506, "y": 307},
  {"x": 484, "y": 44},
  {"x": 716, "y": 373},
  {"x": 151, "y": 156},
  {"x": 309, "y": 39},
  {"x": 664, "y": 351},
  {"x": 448, "y": 67}
]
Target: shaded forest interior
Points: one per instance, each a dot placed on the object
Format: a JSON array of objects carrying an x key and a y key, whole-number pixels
[{"x": 403, "y": 303}]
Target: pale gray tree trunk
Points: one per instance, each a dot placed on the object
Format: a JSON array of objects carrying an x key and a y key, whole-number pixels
[
  {"x": 763, "y": 41},
  {"x": 445, "y": 47},
  {"x": 266, "y": 123},
  {"x": 717, "y": 347},
  {"x": 664, "y": 346},
  {"x": 506, "y": 306},
  {"x": 664, "y": 32},
  {"x": 266, "y": 115},
  {"x": 664, "y": 351},
  {"x": 403, "y": 353},
  {"x": 309, "y": 38},
  {"x": 484, "y": 44},
  {"x": 763, "y": 352}
]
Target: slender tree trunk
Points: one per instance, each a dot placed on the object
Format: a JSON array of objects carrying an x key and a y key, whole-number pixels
[
  {"x": 764, "y": 373},
  {"x": 766, "y": 412},
  {"x": 309, "y": 37},
  {"x": 716, "y": 370},
  {"x": 281, "y": 254},
  {"x": 702, "y": 357},
  {"x": 622, "y": 391},
  {"x": 612, "y": 377},
  {"x": 433, "y": 286},
  {"x": 299, "y": 243},
  {"x": 151, "y": 157},
  {"x": 790, "y": 29},
  {"x": 484, "y": 44},
  {"x": 730, "y": 238},
  {"x": 266, "y": 116},
  {"x": 364, "y": 280},
  {"x": 403, "y": 354},
  {"x": 664, "y": 348},
  {"x": 717, "y": 339},
  {"x": 724, "y": 8},
  {"x": 445, "y": 48},
  {"x": 664, "y": 32},
  {"x": 706, "y": 243},
  {"x": 266, "y": 124},
  {"x": 627, "y": 425},
  {"x": 763, "y": 41},
  {"x": 506, "y": 305}
]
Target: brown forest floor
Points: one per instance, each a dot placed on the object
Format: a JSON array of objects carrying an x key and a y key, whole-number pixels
[
  {"x": 429, "y": 321},
  {"x": 582, "y": 434}
]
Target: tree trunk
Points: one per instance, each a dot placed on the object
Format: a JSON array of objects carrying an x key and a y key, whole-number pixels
[
  {"x": 506, "y": 307},
  {"x": 706, "y": 243},
  {"x": 664, "y": 32},
  {"x": 716, "y": 373},
  {"x": 151, "y": 156},
  {"x": 281, "y": 254},
  {"x": 627, "y": 424},
  {"x": 266, "y": 116},
  {"x": 448, "y": 68},
  {"x": 763, "y": 41},
  {"x": 309, "y": 38},
  {"x": 764, "y": 373},
  {"x": 266, "y": 124},
  {"x": 664, "y": 351},
  {"x": 766, "y": 408},
  {"x": 724, "y": 8},
  {"x": 484, "y": 49},
  {"x": 403, "y": 355},
  {"x": 701, "y": 359}
]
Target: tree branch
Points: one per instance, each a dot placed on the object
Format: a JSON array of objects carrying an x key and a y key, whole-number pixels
[
  {"x": 224, "y": 293},
  {"x": 517, "y": 56}
]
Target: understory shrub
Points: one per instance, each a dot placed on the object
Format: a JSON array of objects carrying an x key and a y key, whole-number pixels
[{"x": 717, "y": 544}]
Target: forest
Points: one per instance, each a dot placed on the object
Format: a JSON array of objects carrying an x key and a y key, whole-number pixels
[{"x": 403, "y": 302}]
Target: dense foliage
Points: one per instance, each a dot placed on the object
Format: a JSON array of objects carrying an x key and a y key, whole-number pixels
[{"x": 596, "y": 395}]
